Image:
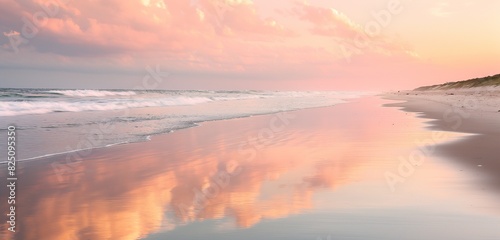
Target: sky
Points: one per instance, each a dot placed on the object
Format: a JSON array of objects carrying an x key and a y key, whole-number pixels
[{"x": 244, "y": 44}]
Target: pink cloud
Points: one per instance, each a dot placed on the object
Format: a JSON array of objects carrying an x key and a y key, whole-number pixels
[
  {"x": 354, "y": 37},
  {"x": 327, "y": 21},
  {"x": 229, "y": 38},
  {"x": 147, "y": 25}
]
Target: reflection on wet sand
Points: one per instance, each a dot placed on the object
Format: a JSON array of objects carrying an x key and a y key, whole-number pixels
[
  {"x": 478, "y": 153},
  {"x": 210, "y": 172}
]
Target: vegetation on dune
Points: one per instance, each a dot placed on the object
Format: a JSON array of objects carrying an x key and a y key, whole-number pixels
[{"x": 489, "y": 81}]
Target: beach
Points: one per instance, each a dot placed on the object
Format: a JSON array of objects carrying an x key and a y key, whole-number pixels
[
  {"x": 368, "y": 168},
  {"x": 474, "y": 111}
]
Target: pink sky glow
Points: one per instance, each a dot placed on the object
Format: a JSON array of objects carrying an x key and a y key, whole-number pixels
[{"x": 244, "y": 44}]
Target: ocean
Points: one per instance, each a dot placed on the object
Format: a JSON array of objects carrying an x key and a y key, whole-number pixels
[{"x": 55, "y": 121}]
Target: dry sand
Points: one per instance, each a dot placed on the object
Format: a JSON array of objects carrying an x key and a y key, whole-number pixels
[{"x": 479, "y": 99}]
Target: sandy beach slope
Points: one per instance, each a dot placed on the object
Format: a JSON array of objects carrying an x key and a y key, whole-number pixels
[{"x": 475, "y": 111}]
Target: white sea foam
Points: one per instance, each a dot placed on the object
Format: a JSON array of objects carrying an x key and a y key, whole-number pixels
[
  {"x": 101, "y": 100},
  {"x": 13, "y": 108},
  {"x": 89, "y": 121},
  {"x": 92, "y": 93}
]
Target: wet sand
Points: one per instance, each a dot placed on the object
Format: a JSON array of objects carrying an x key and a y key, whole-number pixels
[
  {"x": 466, "y": 113},
  {"x": 309, "y": 174}
]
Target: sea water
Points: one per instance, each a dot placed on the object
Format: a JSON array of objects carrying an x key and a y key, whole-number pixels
[{"x": 55, "y": 121}]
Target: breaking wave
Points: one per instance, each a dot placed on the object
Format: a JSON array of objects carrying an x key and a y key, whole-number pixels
[
  {"x": 13, "y": 108},
  {"x": 92, "y": 93}
]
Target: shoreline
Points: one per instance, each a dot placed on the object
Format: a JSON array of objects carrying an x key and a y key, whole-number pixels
[
  {"x": 77, "y": 131},
  {"x": 477, "y": 152},
  {"x": 194, "y": 125},
  {"x": 463, "y": 111}
]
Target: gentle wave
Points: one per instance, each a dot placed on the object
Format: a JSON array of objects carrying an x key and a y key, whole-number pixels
[
  {"x": 92, "y": 93},
  {"x": 14, "y": 108},
  {"x": 67, "y": 131}
]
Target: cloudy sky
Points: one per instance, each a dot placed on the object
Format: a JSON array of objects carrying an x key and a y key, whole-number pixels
[{"x": 244, "y": 44}]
